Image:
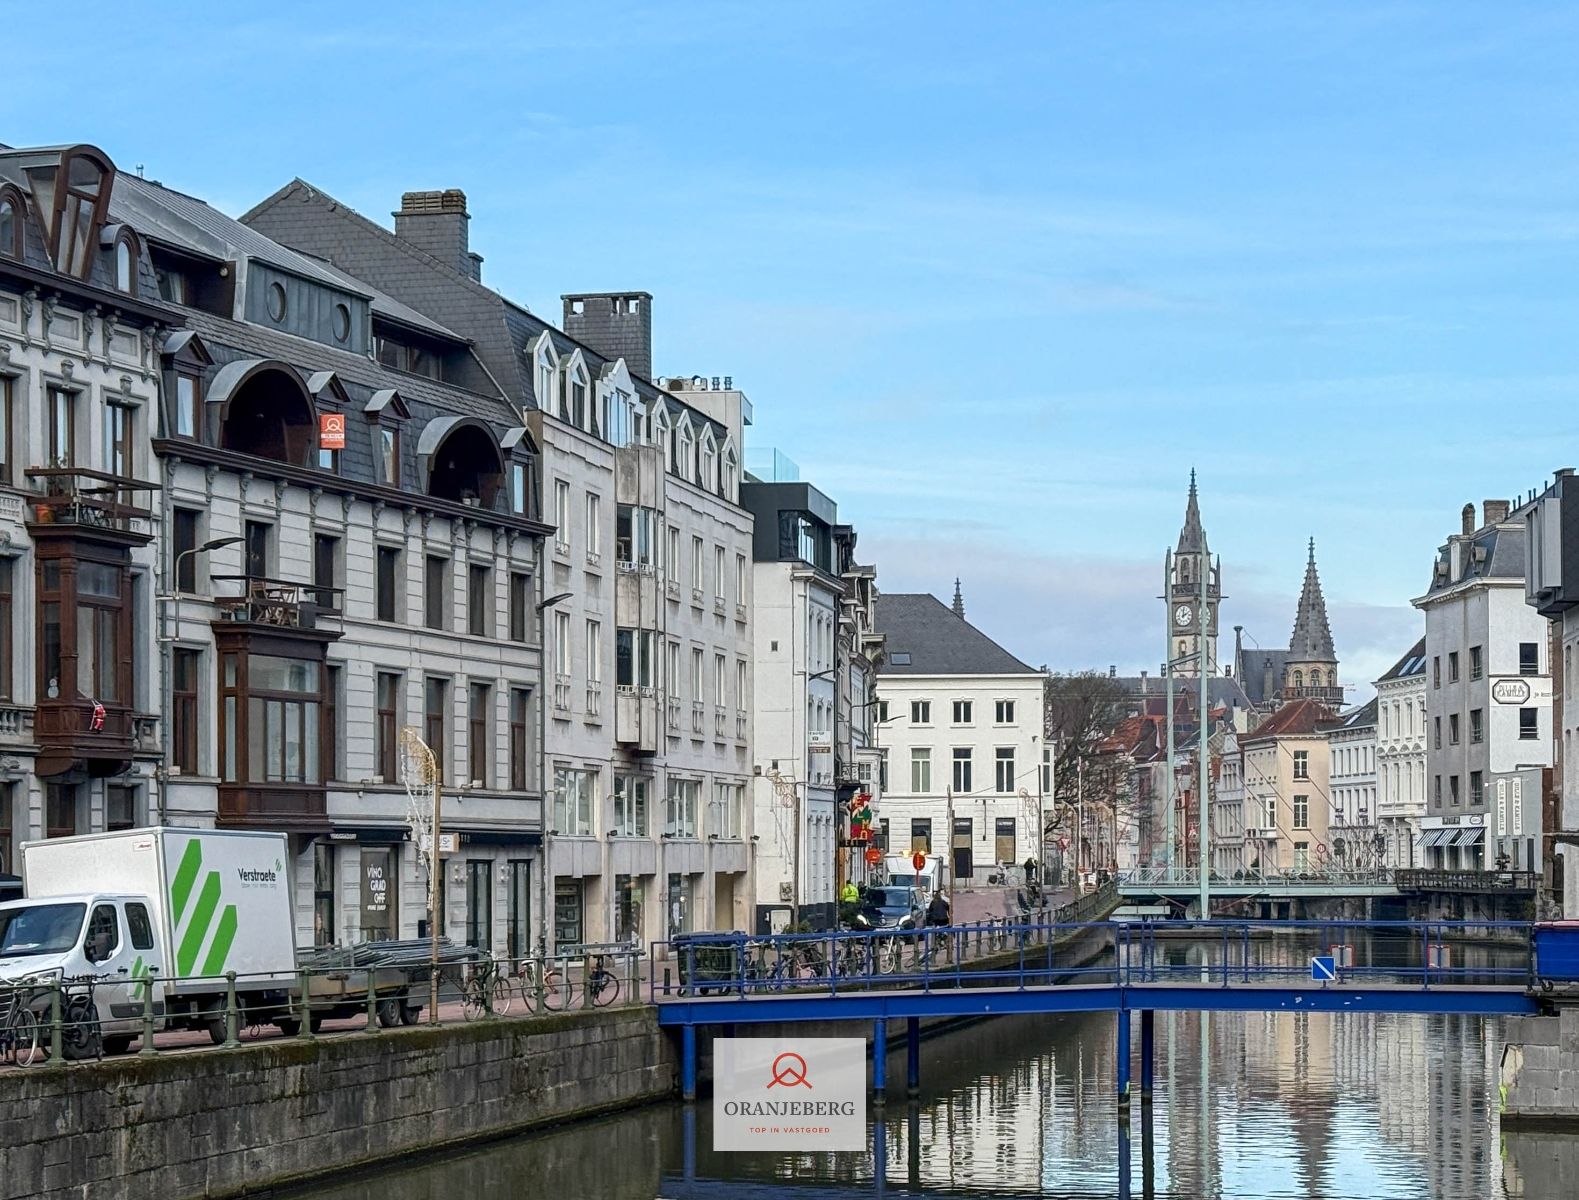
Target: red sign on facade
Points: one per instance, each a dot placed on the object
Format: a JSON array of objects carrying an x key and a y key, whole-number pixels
[{"x": 331, "y": 431}]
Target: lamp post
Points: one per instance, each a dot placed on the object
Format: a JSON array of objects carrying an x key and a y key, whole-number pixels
[
  {"x": 541, "y": 607},
  {"x": 173, "y": 597}
]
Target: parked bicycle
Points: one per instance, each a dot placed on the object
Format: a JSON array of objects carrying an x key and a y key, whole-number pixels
[
  {"x": 19, "y": 1032},
  {"x": 81, "y": 1035},
  {"x": 601, "y": 984},
  {"x": 486, "y": 992},
  {"x": 534, "y": 974}
]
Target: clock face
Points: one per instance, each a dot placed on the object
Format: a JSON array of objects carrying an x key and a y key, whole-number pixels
[{"x": 1182, "y": 614}]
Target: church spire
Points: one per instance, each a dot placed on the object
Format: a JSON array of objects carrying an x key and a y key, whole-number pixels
[
  {"x": 959, "y": 600},
  {"x": 1312, "y": 638},
  {"x": 1192, "y": 538}
]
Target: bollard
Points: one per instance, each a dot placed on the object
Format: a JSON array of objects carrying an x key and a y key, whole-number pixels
[
  {"x": 232, "y": 1016},
  {"x": 372, "y": 1003},
  {"x": 306, "y": 1008},
  {"x": 148, "y": 1016},
  {"x": 56, "y": 1047}
]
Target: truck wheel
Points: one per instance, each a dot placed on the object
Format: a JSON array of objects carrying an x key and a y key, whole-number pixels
[
  {"x": 118, "y": 1043},
  {"x": 288, "y": 1026},
  {"x": 389, "y": 1013},
  {"x": 315, "y": 1022},
  {"x": 410, "y": 1014}
]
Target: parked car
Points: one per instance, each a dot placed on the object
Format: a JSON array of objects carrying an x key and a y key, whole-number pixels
[{"x": 888, "y": 907}]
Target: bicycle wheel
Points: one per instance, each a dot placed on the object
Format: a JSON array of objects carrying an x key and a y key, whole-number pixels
[
  {"x": 472, "y": 1001},
  {"x": 501, "y": 995},
  {"x": 605, "y": 989},
  {"x": 557, "y": 993},
  {"x": 24, "y": 1037}
]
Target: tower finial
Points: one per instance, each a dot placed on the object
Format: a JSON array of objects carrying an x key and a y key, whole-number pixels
[
  {"x": 959, "y": 600},
  {"x": 1192, "y": 538}
]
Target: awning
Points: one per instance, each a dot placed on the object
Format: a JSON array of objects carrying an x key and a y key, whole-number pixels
[
  {"x": 1434, "y": 837},
  {"x": 1472, "y": 834}
]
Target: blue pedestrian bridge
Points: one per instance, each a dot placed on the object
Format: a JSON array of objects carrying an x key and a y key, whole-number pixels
[{"x": 728, "y": 980}]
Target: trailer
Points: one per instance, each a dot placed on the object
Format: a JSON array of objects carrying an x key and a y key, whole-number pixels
[{"x": 1554, "y": 959}]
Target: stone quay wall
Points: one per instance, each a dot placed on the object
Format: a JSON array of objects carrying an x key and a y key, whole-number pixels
[
  {"x": 224, "y": 1123},
  {"x": 1539, "y": 1082}
]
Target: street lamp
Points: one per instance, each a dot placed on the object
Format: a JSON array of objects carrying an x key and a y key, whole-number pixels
[
  {"x": 164, "y": 657},
  {"x": 542, "y": 778}
]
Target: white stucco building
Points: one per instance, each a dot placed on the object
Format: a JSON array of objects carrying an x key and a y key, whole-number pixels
[
  {"x": 1351, "y": 746},
  {"x": 960, "y": 725},
  {"x": 1401, "y": 757}
]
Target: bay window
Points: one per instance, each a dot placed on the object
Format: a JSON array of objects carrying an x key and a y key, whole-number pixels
[{"x": 633, "y": 665}]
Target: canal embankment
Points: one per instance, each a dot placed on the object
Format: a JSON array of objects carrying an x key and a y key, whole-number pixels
[
  {"x": 228, "y": 1123},
  {"x": 1539, "y": 1081}
]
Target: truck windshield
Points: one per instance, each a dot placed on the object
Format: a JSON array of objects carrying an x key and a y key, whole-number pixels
[{"x": 40, "y": 929}]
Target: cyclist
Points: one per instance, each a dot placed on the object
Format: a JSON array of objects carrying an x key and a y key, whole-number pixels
[{"x": 938, "y": 909}]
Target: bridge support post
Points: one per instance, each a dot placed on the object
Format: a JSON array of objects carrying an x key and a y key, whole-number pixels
[
  {"x": 1148, "y": 1055},
  {"x": 880, "y": 1062},
  {"x": 688, "y": 1063},
  {"x": 913, "y": 1057},
  {"x": 1122, "y": 1017}
]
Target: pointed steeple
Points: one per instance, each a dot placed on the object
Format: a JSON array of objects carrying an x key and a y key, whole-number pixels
[
  {"x": 1192, "y": 538},
  {"x": 1312, "y": 637},
  {"x": 959, "y": 600}
]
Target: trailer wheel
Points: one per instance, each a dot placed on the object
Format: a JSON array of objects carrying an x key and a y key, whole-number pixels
[
  {"x": 410, "y": 1014},
  {"x": 389, "y": 1013},
  {"x": 288, "y": 1026},
  {"x": 118, "y": 1043}
]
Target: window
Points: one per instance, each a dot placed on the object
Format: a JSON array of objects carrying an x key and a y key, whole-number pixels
[
  {"x": 1003, "y": 769},
  {"x": 636, "y": 536},
  {"x": 386, "y": 726},
  {"x": 1436, "y": 732},
  {"x": 387, "y": 450},
  {"x": 1452, "y": 666},
  {"x": 561, "y": 515},
  {"x": 718, "y": 681},
  {"x": 125, "y": 265},
  {"x": 921, "y": 712},
  {"x": 1003, "y": 840},
  {"x": 697, "y": 569},
  {"x": 120, "y": 807},
  {"x": 326, "y": 569},
  {"x": 183, "y": 548},
  {"x": 520, "y": 765},
  {"x": 679, "y": 808},
  {"x": 258, "y": 543},
  {"x": 479, "y": 702},
  {"x": 184, "y": 676},
  {"x": 435, "y": 704},
  {"x": 696, "y": 676},
  {"x": 60, "y": 428},
  {"x": 920, "y": 769},
  {"x": 1452, "y": 788},
  {"x": 962, "y": 709},
  {"x": 1436, "y": 671},
  {"x": 1529, "y": 658},
  {"x": 1003, "y": 712},
  {"x": 7, "y": 428},
  {"x": 479, "y": 903},
  {"x": 594, "y": 652},
  {"x": 387, "y": 572},
  {"x": 139, "y": 926},
  {"x": 562, "y": 643},
  {"x": 741, "y": 686},
  {"x": 1452, "y": 729},
  {"x": 94, "y": 618},
  {"x": 323, "y": 893},
  {"x": 633, "y": 664},
  {"x": 630, "y": 805},
  {"x": 118, "y": 440},
  {"x": 1477, "y": 725},
  {"x": 1047, "y": 770},
  {"x": 740, "y": 579},
  {"x": 594, "y": 523},
  {"x": 1476, "y": 788},
  {"x": 10, "y": 223},
  {"x": 921, "y": 834},
  {"x": 1301, "y": 812},
  {"x": 520, "y": 606},
  {"x": 270, "y": 719},
  {"x": 1302, "y": 764},
  {"x": 1436, "y": 790},
  {"x": 672, "y": 562},
  {"x": 962, "y": 781},
  {"x": 882, "y": 770},
  {"x": 435, "y": 585},
  {"x": 573, "y": 791},
  {"x": 1529, "y": 728},
  {"x": 479, "y": 600},
  {"x": 520, "y": 488},
  {"x": 1475, "y": 670},
  {"x": 718, "y": 572},
  {"x": 728, "y": 801}
]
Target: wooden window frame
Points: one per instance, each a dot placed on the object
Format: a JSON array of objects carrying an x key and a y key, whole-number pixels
[
  {"x": 53, "y": 457},
  {"x": 19, "y": 209},
  {"x": 391, "y": 593},
  {"x": 436, "y": 721},
  {"x": 520, "y": 606},
  {"x": 184, "y": 708},
  {"x": 386, "y": 728},
  {"x": 479, "y": 700},
  {"x": 520, "y": 723}
]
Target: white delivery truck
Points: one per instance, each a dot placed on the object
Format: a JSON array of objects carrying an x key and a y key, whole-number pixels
[
  {"x": 901, "y": 871},
  {"x": 170, "y": 909}
]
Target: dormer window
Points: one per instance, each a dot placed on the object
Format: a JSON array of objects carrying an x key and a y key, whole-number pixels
[
  {"x": 518, "y": 449},
  {"x": 709, "y": 463},
  {"x": 386, "y": 410},
  {"x": 126, "y": 253},
  {"x": 577, "y": 385},
  {"x": 686, "y": 464},
  {"x": 731, "y": 473},
  {"x": 72, "y": 197},
  {"x": 545, "y": 375},
  {"x": 387, "y": 454},
  {"x": 185, "y": 359},
  {"x": 10, "y": 222}
]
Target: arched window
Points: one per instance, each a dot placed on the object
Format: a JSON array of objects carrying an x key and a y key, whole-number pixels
[
  {"x": 1315, "y": 679},
  {"x": 709, "y": 478},
  {"x": 546, "y": 375},
  {"x": 463, "y": 461},
  {"x": 687, "y": 455},
  {"x": 126, "y": 255},
  {"x": 265, "y": 411},
  {"x": 75, "y": 197},
  {"x": 10, "y": 222},
  {"x": 731, "y": 474},
  {"x": 1299, "y": 679}
]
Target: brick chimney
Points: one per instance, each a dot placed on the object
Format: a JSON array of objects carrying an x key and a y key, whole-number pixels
[
  {"x": 615, "y": 324},
  {"x": 437, "y": 223},
  {"x": 1467, "y": 520},
  {"x": 1495, "y": 511}
]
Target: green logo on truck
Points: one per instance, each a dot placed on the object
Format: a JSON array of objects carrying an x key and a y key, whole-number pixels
[{"x": 205, "y": 915}]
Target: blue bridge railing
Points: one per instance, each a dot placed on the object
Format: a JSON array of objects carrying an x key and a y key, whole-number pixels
[{"x": 1222, "y": 953}]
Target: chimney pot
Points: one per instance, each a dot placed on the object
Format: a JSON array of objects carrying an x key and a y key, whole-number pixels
[
  {"x": 436, "y": 222},
  {"x": 1467, "y": 520}
]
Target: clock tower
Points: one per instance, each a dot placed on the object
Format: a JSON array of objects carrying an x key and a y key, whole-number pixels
[{"x": 1189, "y": 621}]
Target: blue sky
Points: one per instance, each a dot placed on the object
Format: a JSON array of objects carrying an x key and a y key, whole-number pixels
[{"x": 995, "y": 276}]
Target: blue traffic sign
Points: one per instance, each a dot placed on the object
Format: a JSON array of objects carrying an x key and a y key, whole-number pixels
[{"x": 1322, "y": 968}]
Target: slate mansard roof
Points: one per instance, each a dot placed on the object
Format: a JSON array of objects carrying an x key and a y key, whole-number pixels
[
  {"x": 925, "y": 637},
  {"x": 1412, "y": 663}
]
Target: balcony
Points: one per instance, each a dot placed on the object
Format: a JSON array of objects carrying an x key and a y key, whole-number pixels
[
  {"x": 16, "y": 723},
  {"x": 300, "y": 806},
  {"x": 720, "y": 722},
  {"x": 100, "y": 737},
  {"x": 1413, "y": 880},
  {"x": 278, "y": 603},
  {"x": 1331, "y": 696},
  {"x": 673, "y": 716},
  {"x": 594, "y": 710},
  {"x": 90, "y": 504},
  {"x": 698, "y": 716},
  {"x": 562, "y": 693},
  {"x": 740, "y": 726},
  {"x": 561, "y": 550}
]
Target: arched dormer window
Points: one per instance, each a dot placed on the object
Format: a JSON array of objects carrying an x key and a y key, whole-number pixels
[
  {"x": 11, "y": 217},
  {"x": 462, "y": 461},
  {"x": 731, "y": 473},
  {"x": 709, "y": 475},
  {"x": 264, "y": 410},
  {"x": 72, "y": 196},
  {"x": 575, "y": 401},
  {"x": 122, "y": 243},
  {"x": 685, "y": 451},
  {"x": 545, "y": 375}
]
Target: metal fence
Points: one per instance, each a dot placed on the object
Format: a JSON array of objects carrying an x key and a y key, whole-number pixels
[{"x": 50, "y": 1017}]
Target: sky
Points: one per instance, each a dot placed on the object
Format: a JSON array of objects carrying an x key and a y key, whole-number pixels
[{"x": 996, "y": 277}]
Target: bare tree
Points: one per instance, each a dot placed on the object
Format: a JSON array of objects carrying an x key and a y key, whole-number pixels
[{"x": 1080, "y": 711}]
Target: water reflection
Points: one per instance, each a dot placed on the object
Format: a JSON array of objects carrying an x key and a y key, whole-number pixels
[{"x": 1247, "y": 1105}]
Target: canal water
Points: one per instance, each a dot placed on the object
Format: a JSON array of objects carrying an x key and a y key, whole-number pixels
[{"x": 1256, "y": 1106}]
